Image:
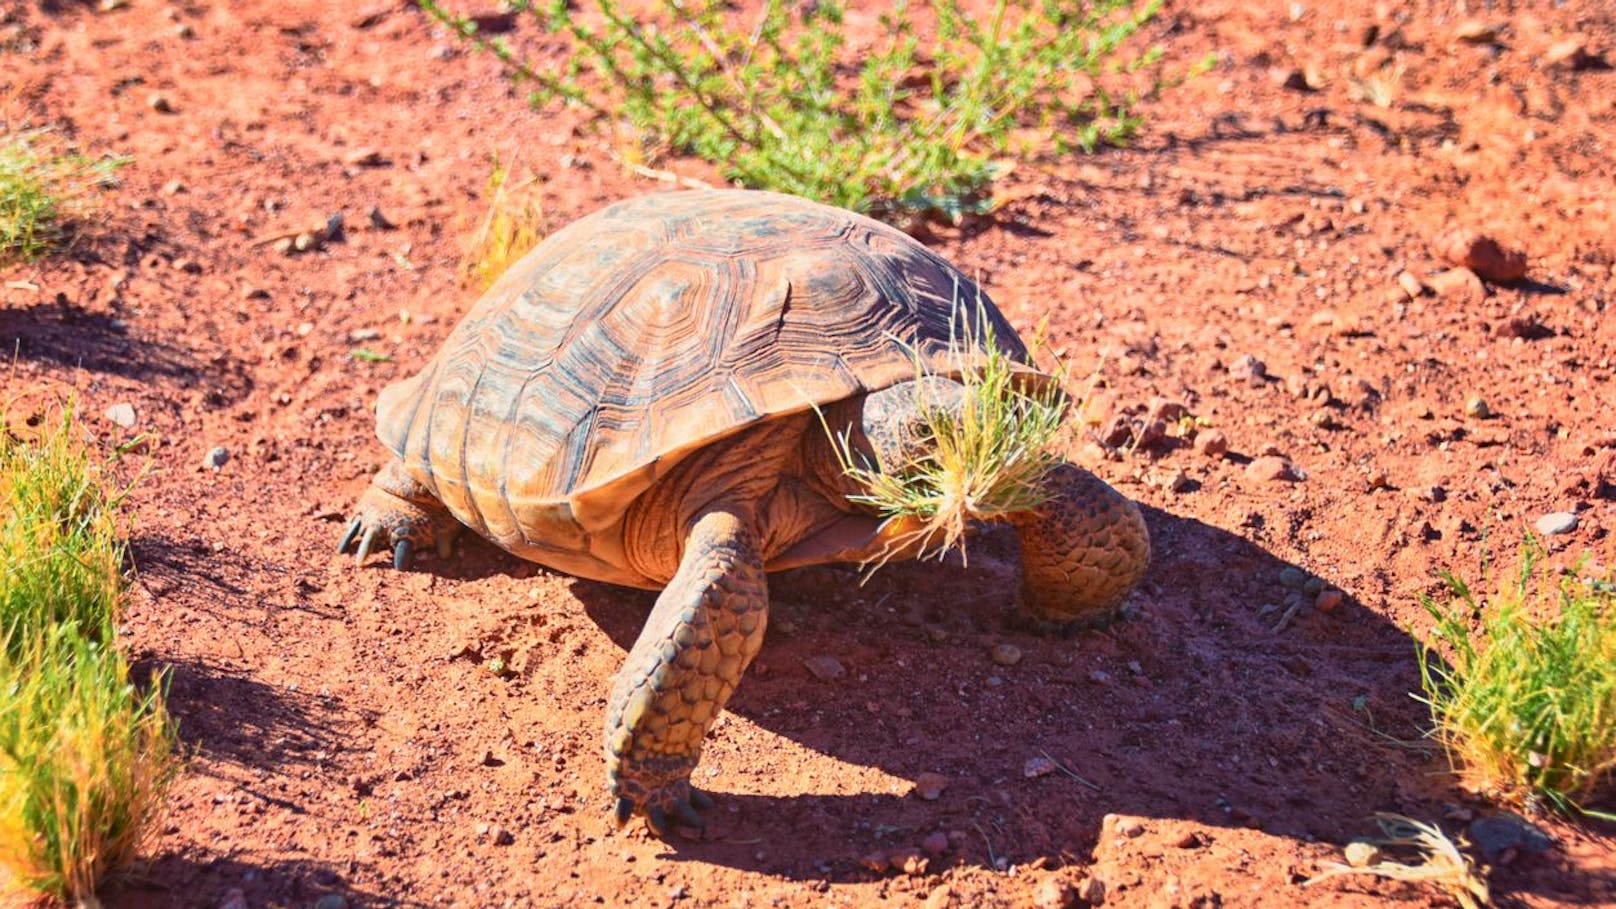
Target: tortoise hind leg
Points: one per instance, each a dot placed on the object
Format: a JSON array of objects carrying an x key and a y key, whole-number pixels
[
  {"x": 704, "y": 631},
  {"x": 401, "y": 514},
  {"x": 1082, "y": 551}
]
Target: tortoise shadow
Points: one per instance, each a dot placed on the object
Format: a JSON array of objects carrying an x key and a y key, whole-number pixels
[
  {"x": 1217, "y": 703},
  {"x": 62, "y": 333}
]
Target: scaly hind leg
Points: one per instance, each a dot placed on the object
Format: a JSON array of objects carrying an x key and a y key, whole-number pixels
[
  {"x": 704, "y": 631},
  {"x": 1082, "y": 551},
  {"x": 402, "y": 515}
]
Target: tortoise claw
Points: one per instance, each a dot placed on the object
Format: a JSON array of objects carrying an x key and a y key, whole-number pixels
[
  {"x": 367, "y": 542},
  {"x": 401, "y": 554},
  {"x": 348, "y": 536},
  {"x": 688, "y": 815},
  {"x": 657, "y": 820},
  {"x": 624, "y": 810},
  {"x": 701, "y": 800}
]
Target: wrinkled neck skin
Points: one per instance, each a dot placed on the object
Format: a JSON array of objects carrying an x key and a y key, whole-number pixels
[{"x": 783, "y": 476}]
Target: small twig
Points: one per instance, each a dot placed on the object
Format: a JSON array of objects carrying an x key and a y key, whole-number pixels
[
  {"x": 1069, "y": 772},
  {"x": 665, "y": 176}
]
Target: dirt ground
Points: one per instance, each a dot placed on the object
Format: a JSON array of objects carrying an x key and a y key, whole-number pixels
[{"x": 348, "y": 736}]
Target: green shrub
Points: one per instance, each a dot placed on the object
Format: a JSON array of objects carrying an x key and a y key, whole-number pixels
[
  {"x": 42, "y": 191},
  {"x": 85, "y": 755},
  {"x": 924, "y": 119},
  {"x": 1527, "y": 709}
]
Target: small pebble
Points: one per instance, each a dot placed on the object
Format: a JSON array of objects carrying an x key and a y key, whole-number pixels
[
  {"x": 1131, "y": 829},
  {"x": 217, "y": 457},
  {"x": 1377, "y": 479},
  {"x": 936, "y": 844},
  {"x": 1100, "y": 677},
  {"x": 1054, "y": 893},
  {"x": 122, "y": 414},
  {"x": 1037, "y": 766},
  {"x": 1249, "y": 368},
  {"x": 1190, "y": 840},
  {"x": 909, "y": 861},
  {"x": 1212, "y": 443},
  {"x": 1556, "y": 523},
  {"x": 377, "y": 219},
  {"x": 1460, "y": 284},
  {"x": 173, "y": 188},
  {"x": 1411, "y": 285},
  {"x": 825, "y": 668},
  {"x": 1361, "y": 855},
  {"x": 304, "y": 242},
  {"x": 1092, "y": 891},
  {"x": 1312, "y": 586},
  {"x": 1269, "y": 468},
  {"x": 1475, "y": 31},
  {"x": 160, "y": 103},
  {"x": 930, "y": 786},
  {"x": 361, "y": 335},
  {"x": 1292, "y": 577},
  {"x": 1477, "y": 407},
  {"x": 1328, "y": 600},
  {"x": 1006, "y": 654}
]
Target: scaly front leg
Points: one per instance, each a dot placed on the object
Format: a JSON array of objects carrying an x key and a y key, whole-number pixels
[
  {"x": 703, "y": 633},
  {"x": 1082, "y": 551}
]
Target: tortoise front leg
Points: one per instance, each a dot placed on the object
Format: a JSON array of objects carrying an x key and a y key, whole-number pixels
[
  {"x": 703, "y": 633},
  {"x": 402, "y": 515},
  {"x": 1082, "y": 551}
]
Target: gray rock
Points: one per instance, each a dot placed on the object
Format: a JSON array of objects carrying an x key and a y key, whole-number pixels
[
  {"x": 1500, "y": 835},
  {"x": 1556, "y": 523},
  {"x": 217, "y": 457},
  {"x": 122, "y": 414},
  {"x": 825, "y": 668}
]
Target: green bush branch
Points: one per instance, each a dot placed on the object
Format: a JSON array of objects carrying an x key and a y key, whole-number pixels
[{"x": 899, "y": 128}]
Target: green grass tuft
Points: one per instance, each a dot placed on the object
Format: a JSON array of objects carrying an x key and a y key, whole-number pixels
[
  {"x": 920, "y": 120},
  {"x": 989, "y": 455},
  {"x": 85, "y": 755},
  {"x": 42, "y": 191},
  {"x": 1527, "y": 709}
]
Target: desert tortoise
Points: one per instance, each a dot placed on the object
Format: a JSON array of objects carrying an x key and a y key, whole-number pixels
[{"x": 640, "y": 399}]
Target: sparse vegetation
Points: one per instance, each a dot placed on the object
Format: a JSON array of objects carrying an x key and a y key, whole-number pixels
[
  {"x": 85, "y": 754},
  {"x": 512, "y": 225},
  {"x": 922, "y": 119},
  {"x": 1439, "y": 861},
  {"x": 1526, "y": 707},
  {"x": 989, "y": 454},
  {"x": 42, "y": 191}
]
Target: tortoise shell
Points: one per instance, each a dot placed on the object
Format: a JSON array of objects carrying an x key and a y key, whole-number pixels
[{"x": 654, "y": 327}]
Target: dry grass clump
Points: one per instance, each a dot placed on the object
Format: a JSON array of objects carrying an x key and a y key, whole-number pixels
[
  {"x": 1527, "y": 709},
  {"x": 85, "y": 754},
  {"x": 1438, "y": 861},
  {"x": 512, "y": 225}
]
